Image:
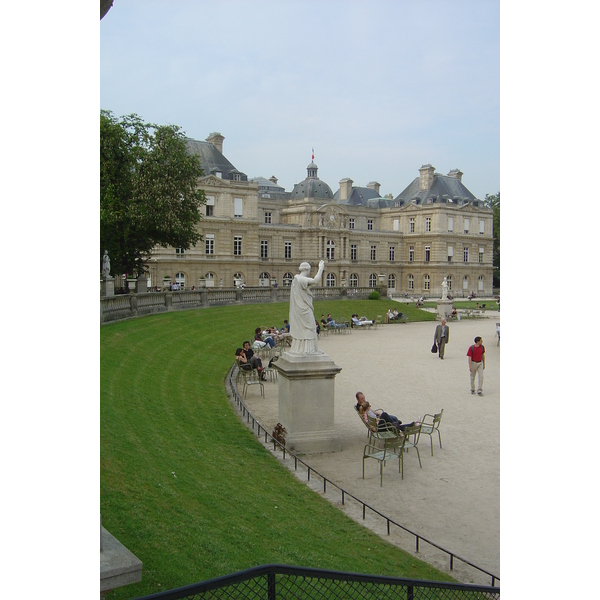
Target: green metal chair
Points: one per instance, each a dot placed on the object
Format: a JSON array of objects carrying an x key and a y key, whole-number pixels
[
  {"x": 393, "y": 449},
  {"x": 431, "y": 424},
  {"x": 413, "y": 431}
]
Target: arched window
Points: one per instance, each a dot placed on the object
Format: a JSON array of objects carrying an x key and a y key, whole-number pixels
[
  {"x": 330, "y": 280},
  {"x": 180, "y": 279},
  {"x": 238, "y": 279},
  {"x": 353, "y": 280},
  {"x": 411, "y": 282},
  {"x": 426, "y": 282},
  {"x": 287, "y": 280},
  {"x": 392, "y": 281},
  {"x": 449, "y": 280},
  {"x": 330, "y": 250},
  {"x": 373, "y": 280},
  {"x": 480, "y": 284},
  {"x": 466, "y": 282}
]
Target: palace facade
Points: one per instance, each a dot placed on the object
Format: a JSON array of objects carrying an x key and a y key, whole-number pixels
[{"x": 257, "y": 233}]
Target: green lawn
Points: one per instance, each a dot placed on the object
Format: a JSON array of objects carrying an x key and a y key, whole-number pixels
[{"x": 184, "y": 484}]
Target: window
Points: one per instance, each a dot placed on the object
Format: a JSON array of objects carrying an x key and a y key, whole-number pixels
[
  {"x": 237, "y": 207},
  {"x": 412, "y": 225},
  {"x": 287, "y": 280},
  {"x": 450, "y": 253},
  {"x": 480, "y": 284},
  {"x": 411, "y": 254},
  {"x": 287, "y": 250},
  {"x": 330, "y": 250},
  {"x": 427, "y": 253},
  {"x": 236, "y": 177},
  {"x": 449, "y": 281},
  {"x": 264, "y": 279},
  {"x": 268, "y": 217},
  {"x": 481, "y": 252},
  {"x": 209, "y": 240},
  {"x": 450, "y": 224},
  {"x": 237, "y": 277},
  {"x": 465, "y": 254},
  {"x": 481, "y": 227},
  {"x": 353, "y": 280},
  {"x": 370, "y": 224},
  {"x": 426, "y": 282},
  {"x": 466, "y": 282},
  {"x": 264, "y": 249},
  {"x": 392, "y": 281},
  {"x": 180, "y": 279},
  {"x": 180, "y": 252},
  {"x": 350, "y": 223},
  {"x": 237, "y": 245},
  {"x": 210, "y": 206},
  {"x": 373, "y": 280},
  {"x": 396, "y": 224},
  {"x": 466, "y": 225},
  {"x": 373, "y": 252},
  {"x": 392, "y": 253},
  {"x": 330, "y": 281},
  {"x": 411, "y": 282},
  {"x": 428, "y": 224},
  {"x": 353, "y": 252},
  {"x": 209, "y": 279}
]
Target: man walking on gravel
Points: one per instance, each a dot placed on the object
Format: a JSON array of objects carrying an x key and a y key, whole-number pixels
[{"x": 476, "y": 357}]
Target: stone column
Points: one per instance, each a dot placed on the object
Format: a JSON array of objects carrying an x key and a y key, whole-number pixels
[{"x": 306, "y": 402}]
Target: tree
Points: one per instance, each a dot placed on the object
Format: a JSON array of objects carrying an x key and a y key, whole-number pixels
[
  {"x": 493, "y": 202},
  {"x": 149, "y": 192}
]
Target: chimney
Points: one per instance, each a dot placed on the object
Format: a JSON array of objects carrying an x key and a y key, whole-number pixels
[
  {"x": 216, "y": 139},
  {"x": 426, "y": 172},
  {"x": 456, "y": 173},
  {"x": 345, "y": 189},
  {"x": 373, "y": 185},
  {"x": 273, "y": 179}
]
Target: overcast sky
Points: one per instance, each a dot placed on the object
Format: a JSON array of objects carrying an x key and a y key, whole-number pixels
[{"x": 377, "y": 88}]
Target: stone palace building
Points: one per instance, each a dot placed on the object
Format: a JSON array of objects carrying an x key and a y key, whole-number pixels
[{"x": 256, "y": 233}]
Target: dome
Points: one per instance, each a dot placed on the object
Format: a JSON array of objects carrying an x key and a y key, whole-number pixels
[{"x": 312, "y": 186}]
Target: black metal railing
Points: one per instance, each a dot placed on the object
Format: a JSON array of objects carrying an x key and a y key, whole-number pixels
[
  {"x": 270, "y": 582},
  {"x": 254, "y": 424}
]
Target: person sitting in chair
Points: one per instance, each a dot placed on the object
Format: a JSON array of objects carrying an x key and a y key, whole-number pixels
[
  {"x": 247, "y": 361},
  {"x": 382, "y": 416}
]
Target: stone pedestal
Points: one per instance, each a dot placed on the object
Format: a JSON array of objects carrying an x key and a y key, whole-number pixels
[
  {"x": 107, "y": 286},
  {"x": 141, "y": 285},
  {"x": 306, "y": 402},
  {"x": 118, "y": 566},
  {"x": 444, "y": 308}
]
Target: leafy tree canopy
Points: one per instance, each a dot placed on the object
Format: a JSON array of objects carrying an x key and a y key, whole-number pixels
[
  {"x": 149, "y": 192},
  {"x": 493, "y": 201}
]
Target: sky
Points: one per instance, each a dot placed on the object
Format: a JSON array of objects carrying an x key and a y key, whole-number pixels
[{"x": 376, "y": 88}]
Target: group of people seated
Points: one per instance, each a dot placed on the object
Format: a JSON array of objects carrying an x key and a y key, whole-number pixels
[
  {"x": 393, "y": 315},
  {"x": 247, "y": 360},
  {"x": 269, "y": 336},
  {"x": 329, "y": 323},
  {"x": 356, "y": 322},
  {"x": 384, "y": 420}
]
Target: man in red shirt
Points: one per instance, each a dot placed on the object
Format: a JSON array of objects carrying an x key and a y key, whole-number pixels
[{"x": 476, "y": 356}]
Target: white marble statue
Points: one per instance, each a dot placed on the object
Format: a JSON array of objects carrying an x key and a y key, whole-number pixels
[
  {"x": 302, "y": 316},
  {"x": 105, "y": 265},
  {"x": 445, "y": 289}
]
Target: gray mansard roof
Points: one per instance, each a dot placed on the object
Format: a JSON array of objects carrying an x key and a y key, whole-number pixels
[
  {"x": 268, "y": 189},
  {"x": 360, "y": 196},
  {"x": 212, "y": 160},
  {"x": 443, "y": 189}
]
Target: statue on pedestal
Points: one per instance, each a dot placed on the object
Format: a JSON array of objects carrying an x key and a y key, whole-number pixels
[
  {"x": 105, "y": 265},
  {"x": 302, "y": 316},
  {"x": 445, "y": 289}
]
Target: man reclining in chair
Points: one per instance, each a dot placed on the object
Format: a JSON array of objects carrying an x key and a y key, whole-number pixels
[{"x": 365, "y": 410}]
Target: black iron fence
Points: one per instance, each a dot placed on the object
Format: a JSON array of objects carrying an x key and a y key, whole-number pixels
[
  {"x": 272, "y": 582},
  {"x": 254, "y": 424}
]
